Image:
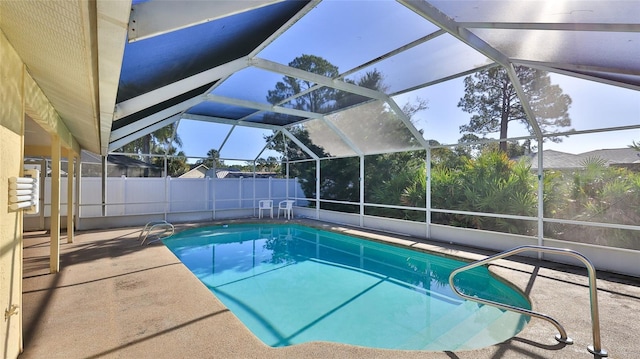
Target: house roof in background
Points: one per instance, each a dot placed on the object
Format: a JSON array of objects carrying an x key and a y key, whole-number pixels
[
  {"x": 117, "y": 160},
  {"x": 562, "y": 160}
]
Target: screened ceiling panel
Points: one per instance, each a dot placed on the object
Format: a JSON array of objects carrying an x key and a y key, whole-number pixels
[
  {"x": 556, "y": 11},
  {"x": 426, "y": 63},
  {"x": 158, "y": 61},
  {"x": 294, "y": 152},
  {"x": 325, "y": 100},
  {"x": 220, "y": 110},
  {"x": 250, "y": 84},
  {"x": 374, "y": 128},
  {"x": 273, "y": 118},
  {"x": 199, "y": 137},
  {"x": 149, "y": 111},
  {"x": 568, "y": 48},
  {"x": 349, "y": 33},
  {"x": 618, "y": 78},
  {"x": 322, "y": 140},
  {"x": 611, "y": 107},
  {"x": 237, "y": 146}
]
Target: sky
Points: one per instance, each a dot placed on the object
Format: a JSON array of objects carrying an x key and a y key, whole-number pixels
[{"x": 346, "y": 36}]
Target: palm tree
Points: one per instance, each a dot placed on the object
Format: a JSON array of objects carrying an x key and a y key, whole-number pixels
[{"x": 159, "y": 142}]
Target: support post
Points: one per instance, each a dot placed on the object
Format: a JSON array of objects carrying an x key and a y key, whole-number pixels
[
  {"x": 540, "y": 197},
  {"x": 78, "y": 170},
  {"x": 318, "y": 189},
  {"x": 54, "y": 260},
  {"x": 104, "y": 185},
  {"x": 70, "y": 179},
  {"x": 428, "y": 192},
  {"x": 361, "y": 180},
  {"x": 43, "y": 179}
]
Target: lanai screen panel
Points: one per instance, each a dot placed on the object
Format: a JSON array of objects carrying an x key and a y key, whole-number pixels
[
  {"x": 349, "y": 33},
  {"x": 567, "y": 48},
  {"x": 441, "y": 57},
  {"x": 273, "y": 118},
  {"x": 221, "y": 110},
  {"x": 245, "y": 143},
  {"x": 325, "y": 100},
  {"x": 556, "y": 11},
  {"x": 575, "y": 35},
  {"x": 594, "y": 106},
  {"x": 198, "y": 137},
  {"x": 322, "y": 139},
  {"x": 293, "y": 152},
  {"x": 250, "y": 84},
  {"x": 374, "y": 128}
]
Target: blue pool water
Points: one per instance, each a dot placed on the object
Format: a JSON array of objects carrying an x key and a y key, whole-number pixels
[{"x": 292, "y": 284}]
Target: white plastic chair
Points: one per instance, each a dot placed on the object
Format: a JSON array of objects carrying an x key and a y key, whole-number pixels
[
  {"x": 263, "y": 205},
  {"x": 287, "y": 208}
]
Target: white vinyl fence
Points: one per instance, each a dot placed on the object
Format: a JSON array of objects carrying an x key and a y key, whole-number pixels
[
  {"x": 176, "y": 195},
  {"x": 146, "y": 195}
]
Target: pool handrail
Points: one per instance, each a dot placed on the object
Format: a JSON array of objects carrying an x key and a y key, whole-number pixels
[
  {"x": 562, "y": 337},
  {"x": 151, "y": 226}
]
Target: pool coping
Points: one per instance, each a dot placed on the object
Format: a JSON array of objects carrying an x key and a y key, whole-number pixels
[{"x": 114, "y": 298}]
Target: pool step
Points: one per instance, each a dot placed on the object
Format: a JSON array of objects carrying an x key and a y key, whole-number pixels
[
  {"x": 465, "y": 330},
  {"x": 440, "y": 325},
  {"x": 504, "y": 327}
]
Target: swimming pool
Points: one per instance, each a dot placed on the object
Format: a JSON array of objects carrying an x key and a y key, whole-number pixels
[{"x": 291, "y": 284}]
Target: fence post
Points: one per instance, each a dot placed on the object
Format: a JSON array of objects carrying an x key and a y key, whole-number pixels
[
  {"x": 123, "y": 203},
  {"x": 254, "y": 203},
  {"x": 206, "y": 193},
  {"x": 167, "y": 196},
  {"x": 212, "y": 183},
  {"x": 240, "y": 192}
]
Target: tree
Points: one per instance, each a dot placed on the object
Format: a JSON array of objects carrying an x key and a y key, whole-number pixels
[
  {"x": 492, "y": 99},
  {"x": 176, "y": 166},
  {"x": 157, "y": 142},
  {"x": 269, "y": 164},
  {"x": 320, "y": 100},
  {"x": 212, "y": 160}
]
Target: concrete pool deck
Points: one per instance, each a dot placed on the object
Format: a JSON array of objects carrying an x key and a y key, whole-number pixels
[{"x": 116, "y": 299}]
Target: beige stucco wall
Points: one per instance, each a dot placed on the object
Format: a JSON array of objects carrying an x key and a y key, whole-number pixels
[
  {"x": 11, "y": 147},
  {"x": 19, "y": 95}
]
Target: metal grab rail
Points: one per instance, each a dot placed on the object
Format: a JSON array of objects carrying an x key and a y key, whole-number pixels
[
  {"x": 146, "y": 231},
  {"x": 594, "y": 349}
]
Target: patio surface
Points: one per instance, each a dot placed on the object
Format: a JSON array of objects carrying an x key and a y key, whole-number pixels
[{"x": 116, "y": 299}]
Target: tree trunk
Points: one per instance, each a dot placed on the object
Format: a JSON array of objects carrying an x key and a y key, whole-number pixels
[{"x": 504, "y": 120}]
